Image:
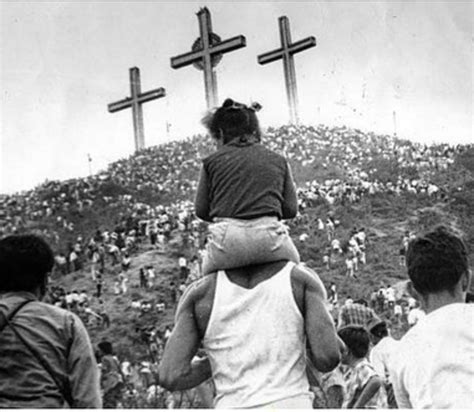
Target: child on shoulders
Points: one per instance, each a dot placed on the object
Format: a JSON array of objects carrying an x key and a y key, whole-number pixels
[{"x": 245, "y": 190}]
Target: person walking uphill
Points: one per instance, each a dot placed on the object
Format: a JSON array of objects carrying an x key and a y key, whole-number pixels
[
  {"x": 46, "y": 358},
  {"x": 433, "y": 366},
  {"x": 254, "y": 324}
]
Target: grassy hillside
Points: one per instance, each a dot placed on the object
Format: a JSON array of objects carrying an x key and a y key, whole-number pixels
[{"x": 167, "y": 174}]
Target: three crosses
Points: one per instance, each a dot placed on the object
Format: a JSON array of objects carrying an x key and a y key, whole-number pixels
[{"x": 206, "y": 53}]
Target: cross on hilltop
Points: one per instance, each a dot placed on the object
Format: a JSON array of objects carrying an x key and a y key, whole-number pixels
[
  {"x": 135, "y": 102},
  {"x": 206, "y": 53},
  {"x": 285, "y": 53}
]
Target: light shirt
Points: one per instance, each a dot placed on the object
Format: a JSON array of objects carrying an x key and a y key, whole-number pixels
[
  {"x": 355, "y": 379},
  {"x": 433, "y": 366},
  {"x": 415, "y": 315},
  {"x": 256, "y": 346},
  {"x": 182, "y": 262},
  {"x": 390, "y": 294},
  {"x": 381, "y": 355}
]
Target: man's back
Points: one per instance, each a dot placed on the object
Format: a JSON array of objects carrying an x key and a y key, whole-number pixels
[
  {"x": 308, "y": 321},
  {"x": 60, "y": 338},
  {"x": 255, "y": 343},
  {"x": 433, "y": 366}
]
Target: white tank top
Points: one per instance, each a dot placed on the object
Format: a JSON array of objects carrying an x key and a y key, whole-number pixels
[{"x": 255, "y": 341}]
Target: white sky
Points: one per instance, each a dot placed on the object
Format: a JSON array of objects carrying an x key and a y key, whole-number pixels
[{"x": 62, "y": 63}]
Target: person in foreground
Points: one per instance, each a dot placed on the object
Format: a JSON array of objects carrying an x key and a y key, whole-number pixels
[
  {"x": 46, "y": 358},
  {"x": 255, "y": 324},
  {"x": 433, "y": 366}
]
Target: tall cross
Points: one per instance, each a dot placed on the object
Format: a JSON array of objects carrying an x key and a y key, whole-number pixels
[
  {"x": 286, "y": 52},
  {"x": 206, "y": 53},
  {"x": 135, "y": 102}
]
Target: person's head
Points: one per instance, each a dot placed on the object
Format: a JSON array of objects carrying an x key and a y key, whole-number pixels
[
  {"x": 437, "y": 262},
  {"x": 25, "y": 261},
  {"x": 233, "y": 120},
  {"x": 357, "y": 341},
  {"x": 106, "y": 348}
]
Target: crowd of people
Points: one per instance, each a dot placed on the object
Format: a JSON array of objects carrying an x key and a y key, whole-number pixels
[
  {"x": 149, "y": 194},
  {"x": 166, "y": 175}
]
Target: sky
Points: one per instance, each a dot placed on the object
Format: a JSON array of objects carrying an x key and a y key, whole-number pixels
[{"x": 61, "y": 63}]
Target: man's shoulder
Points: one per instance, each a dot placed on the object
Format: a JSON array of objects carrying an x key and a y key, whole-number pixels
[
  {"x": 199, "y": 289},
  {"x": 302, "y": 275}
]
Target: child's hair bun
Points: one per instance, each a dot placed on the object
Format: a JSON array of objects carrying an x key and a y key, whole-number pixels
[
  {"x": 228, "y": 103},
  {"x": 255, "y": 106}
]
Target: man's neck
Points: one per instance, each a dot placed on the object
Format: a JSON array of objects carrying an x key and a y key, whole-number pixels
[
  {"x": 250, "y": 276},
  {"x": 435, "y": 301}
]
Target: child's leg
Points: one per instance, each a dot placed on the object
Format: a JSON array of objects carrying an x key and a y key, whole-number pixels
[{"x": 235, "y": 243}]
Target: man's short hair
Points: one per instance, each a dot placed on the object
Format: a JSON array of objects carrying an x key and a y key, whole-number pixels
[
  {"x": 436, "y": 260},
  {"x": 357, "y": 340},
  {"x": 106, "y": 347},
  {"x": 25, "y": 261}
]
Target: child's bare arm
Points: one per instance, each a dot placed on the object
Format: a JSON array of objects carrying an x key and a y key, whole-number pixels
[
  {"x": 290, "y": 199},
  {"x": 201, "y": 202}
]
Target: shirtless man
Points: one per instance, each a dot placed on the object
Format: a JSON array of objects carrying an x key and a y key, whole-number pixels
[{"x": 257, "y": 325}]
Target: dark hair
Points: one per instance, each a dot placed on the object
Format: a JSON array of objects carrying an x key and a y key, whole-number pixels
[
  {"x": 436, "y": 260},
  {"x": 356, "y": 339},
  {"x": 233, "y": 120},
  {"x": 25, "y": 261},
  {"x": 106, "y": 347},
  {"x": 380, "y": 330}
]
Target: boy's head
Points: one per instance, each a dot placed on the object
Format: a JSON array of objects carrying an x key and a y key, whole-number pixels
[
  {"x": 25, "y": 261},
  {"x": 357, "y": 342},
  {"x": 106, "y": 347},
  {"x": 233, "y": 120},
  {"x": 437, "y": 262}
]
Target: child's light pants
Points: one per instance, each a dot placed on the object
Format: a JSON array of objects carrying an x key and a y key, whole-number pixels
[{"x": 234, "y": 243}]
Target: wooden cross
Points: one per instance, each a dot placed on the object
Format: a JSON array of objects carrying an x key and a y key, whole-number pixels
[
  {"x": 206, "y": 53},
  {"x": 135, "y": 102},
  {"x": 286, "y": 52}
]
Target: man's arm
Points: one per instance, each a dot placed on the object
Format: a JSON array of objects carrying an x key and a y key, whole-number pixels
[
  {"x": 83, "y": 371},
  {"x": 396, "y": 378},
  {"x": 324, "y": 344},
  {"x": 179, "y": 369},
  {"x": 370, "y": 389},
  {"x": 290, "y": 198},
  {"x": 201, "y": 202}
]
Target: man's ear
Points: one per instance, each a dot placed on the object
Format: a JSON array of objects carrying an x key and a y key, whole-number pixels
[
  {"x": 43, "y": 286},
  {"x": 466, "y": 280},
  {"x": 412, "y": 291}
]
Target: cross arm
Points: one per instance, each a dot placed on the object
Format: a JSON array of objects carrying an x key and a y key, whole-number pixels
[
  {"x": 294, "y": 48},
  {"x": 120, "y": 105},
  {"x": 225, "y": 46},
  {"x": 141, "y": 98},
  {"x": 301, "y": 45},
  {"x": 151, "y": 95},
  {"x": 271, "y": 56}
]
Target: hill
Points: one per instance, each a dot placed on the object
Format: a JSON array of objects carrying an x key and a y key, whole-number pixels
[{"x": 361, "y": 180}]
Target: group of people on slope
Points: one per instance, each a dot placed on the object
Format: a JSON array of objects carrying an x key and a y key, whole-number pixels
[{"x": 259, "y": 315}]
